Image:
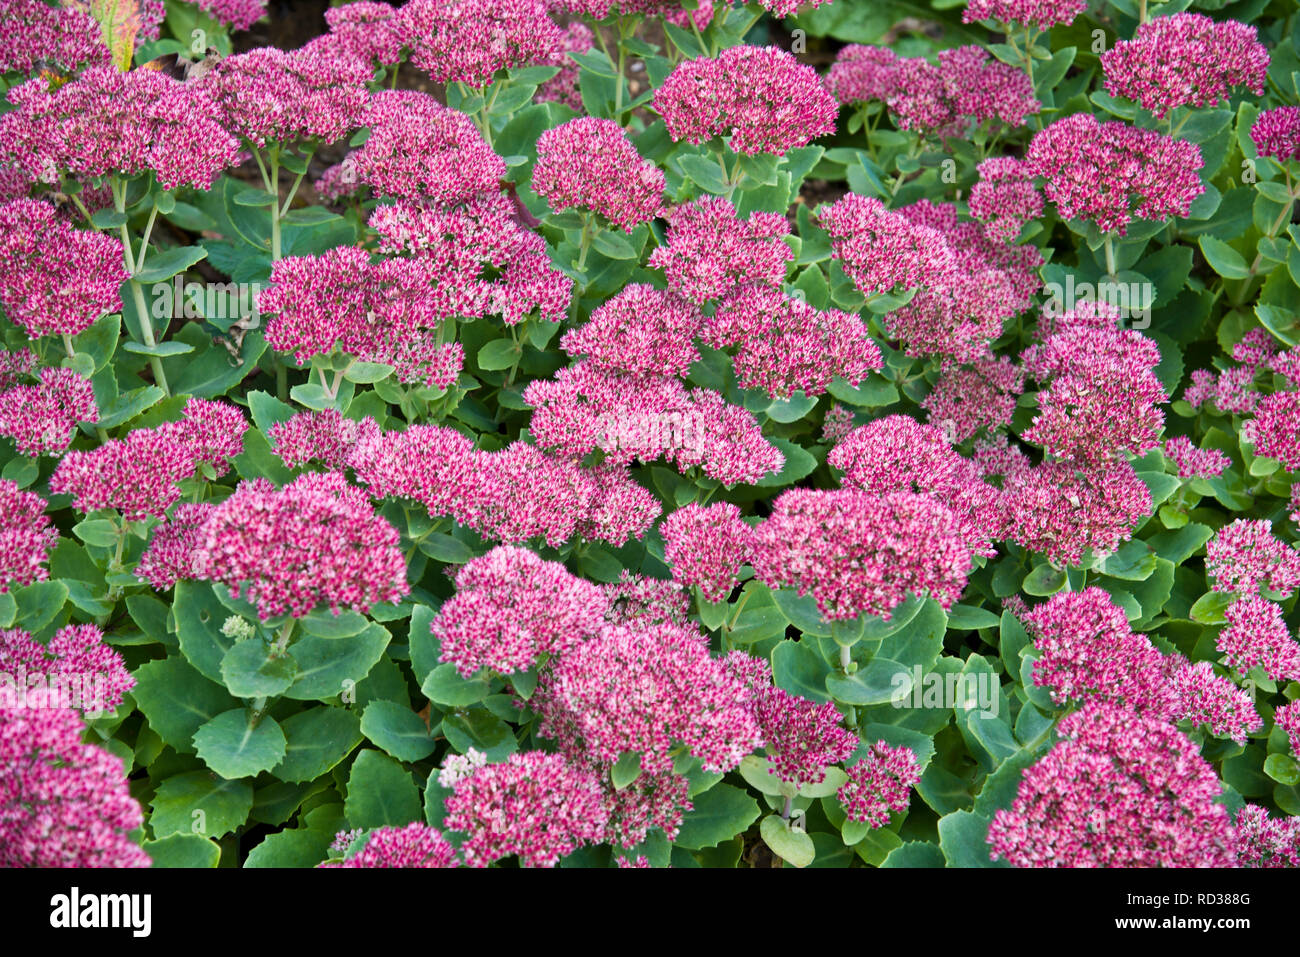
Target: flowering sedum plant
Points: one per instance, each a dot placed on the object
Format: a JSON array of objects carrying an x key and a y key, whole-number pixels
[{"x": 624, "y": 433}]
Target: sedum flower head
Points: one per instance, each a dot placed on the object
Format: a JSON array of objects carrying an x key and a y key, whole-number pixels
[
  {"x": 416, "y": 845},
  {"x": 589, "y": 163},
  {"x": 42, "y": 419},
  {"x": 26, "y": 537},
  {"x": 710, "y": 250},
  {"x": 879, "y": 784},
  {"x": 705, "y": 546}
]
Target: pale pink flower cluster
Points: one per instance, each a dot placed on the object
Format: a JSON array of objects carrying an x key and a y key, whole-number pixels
[
  {"x": 42, "y": 419},
  {"x": 965, "y": 88},
  {"x": 105, "y": 122},
  {"x": 1042, "y": 14},
  {"x": 896, "y": 453},
  {"x": 1244, "y": 556},
  {"x": 1102, "y": 395},
  {"x": 327, "y": 437},
  {"x": 1266, "y": 842},
  {"x": 983, "y": 395},
  {"x": 1203, "y": 697},
  {"x": 74, "y": 650},
  {"x": 1118, "y": 790},
  {"x": 765, "y": 99},
  {"x": 62, "y": 803},
  {"x": 15, "y": 366},
  {"x": 1276, "y": 133},
  {"x": 1255, "y": 636},
  {"x": 34, "y": 34},
  {"x": 647, "y": 690},
  {"x": 269, "y": 95},
  {"x": 419, "y": 149},
  {"x": 837, "y": 423},
  {"x": 26, "y": 537},
  {"x": 879, "y": 784},
  {"x": 639, "y": 330},
  {"x": 416, "y": 845},
  {"x": 1005, "y": 198},
  {"x": 536, "y": 806},
  {"x": 784, "y": 345},
  {"x": 589, "y": 163},
  {"x": 1193, "y": 462},
  {"x": 860, "y": 553},
  {"x": 468, "y": 41},
  {"x": 1112, "y": 173},
  {"x": 315, "y": 542},
  {"x": 55, "y": 279},
  {"x": 511, "y": 608},
  {"x": 711, "y": 251},
  {"x": 1185, "y": 59},
  {"x": 706, "y": 546}
]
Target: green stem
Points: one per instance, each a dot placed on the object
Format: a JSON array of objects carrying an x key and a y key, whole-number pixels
[
  {"x": 1110, "y": 256},
  {"x": 67, "y": 345},
  {"x": 584, "y": 245},
  {"x": 622, "y": 69},
  {"x": 137, "y": 291},
  {"x": 1142, "y": 11}
]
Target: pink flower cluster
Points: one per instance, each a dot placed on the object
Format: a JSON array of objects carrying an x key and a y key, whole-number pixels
[
  {"x": 763, "y": 97},
  {"x": 639, "y": 330},
  {"x": 62, "y": 803},
  {"x": 670, "y": 10},
  {"x": 1118, "y": 790},
  {"x": 416, "y": 845},
  {"x": 711, "y": 251},
  {"x": 646, "y": 690},
  {"x": 1276, "y": 428},
  {"x": 364, "y": 30},
  {"x": 1042, "y": 14},
  {"x": 419, "y": 149},
  {"x": 705, "y": 546},
  {"x": 468, "y": 41},
  {"x": 34, "y": 34},
  {"x": 1089, "y": 653},
  {"x": 1185, "y": 59},
  {"x": 55, "y": 279},
  {"x": 267, "y": 95},
  {"x": 784, "y": 345},
  {"x": 1266, "y": 842},
  {"x": 896, "y": 453},
  {"x": 1063, "y": 508},
  {"x": 860, "y": 553},
  {"x": 317, "y": 541},
  {"x": 1005, "y": 198},
  {"x": 41, "y": 419},
  {"x": 483, "y": 261},
  {"x": 589, "y": 163},
  {"x": 534, "y": 805},
  {"x": 983, "y": 395},
  {"x": 326, "y": 437},
  {"x": 803, "y": 738},
  {"x": 26, "y": 537},
  {"x": 946, "y": 100},
  {"x": 1193, "y": 462},
  {"x": 837, "y": 423},
  {"x": 106, "y": 122},
  {"x": 1102, "y": 394},
  {"x": 636, "y": 601},
  {"x": 1112, "y": 173},
  {"x": 1287, "y": 718},
  {"x": 75, "y": 651},
  {"x": 1276, "y": 133},
  {"x": 966, "y": 284},
  {"x": 511, "y": 608},
  {"x": 511, "y": 496},
  {"x": 1244, "y": 555},
  {"x": 1255, "y": 636},
  {"x": 879, "y": 783},
  {"x": 170, "y": 555},
  {"x": 237, "y": 14}
]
